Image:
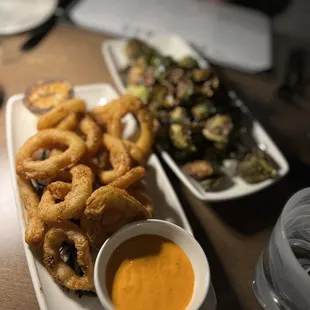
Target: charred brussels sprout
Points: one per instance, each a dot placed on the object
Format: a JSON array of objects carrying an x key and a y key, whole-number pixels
[
  {"x": 185, "y": 89},
  {"x": 202, "y": 111},
  {"x": 137, "y": 49},
  {"x": 140, "y": 91},
  {"x": 179, "y": 115},
  {"x": 199, "y": 169},
  {"x": 256, "y": 168},
  {"x": 188, "y": 62},
  {"x": 181, "y": 138},
  {"x": 175, "y": 75},
  {"x": 209, "y": 87},
  {"x": 218, "y": 128},
  {"x": 201, "y": 75}
]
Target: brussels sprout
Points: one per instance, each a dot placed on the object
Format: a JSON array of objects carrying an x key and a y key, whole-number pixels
[
  {"x": 256, "y": 168},
  {"x": 202, "y": 111},
  {"x": 140, "y": 91},
  {"x": 218, "y": 128},
  {"x": 135, "y": 75},
  {"x": 159, "y": 92},
  {"x": 199, "y": 169},
  {"x": 185, "y": 89},
  {"x": 179, "y": 115},
  {"x": 181, "y": 139},
  {"x": 201, "y": 75},
  {"x": 137, "y": 49},
  {"x": 209, "y": 87},
  {"x": 134, "y": 48},
  {"x": 188, "y": 62},
  {"x": 175, "y": 75}
]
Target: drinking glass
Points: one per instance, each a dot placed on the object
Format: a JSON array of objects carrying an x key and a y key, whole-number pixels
[{"x": 282, "y": 273}]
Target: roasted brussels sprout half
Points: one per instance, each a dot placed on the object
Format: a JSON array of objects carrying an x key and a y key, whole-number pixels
[
  {"x": 181, "y": 138},
  {"x": 218, "y": 128},
  {"x": 140, "y": 91},
  {"x": 175, "y": 75},
  {"x": 137, "y": 49},
  {"x": 185, "y": 89},
  {"x": 188, "y": 62},
  {"x": 202, "y": 111},
  {"x": 255, "y": 168},
  {"x": 136, "y": 75},
  {"x": 161, "y": 93},
  {"x": 201, "y": 75},
  {"x": 209, "y": 87},
  {"x": 158, "y": 112},
  {"x": 134, "y": 48},
  {"x": 179, "y": 115},
  {"x": 199, "y": 169}
]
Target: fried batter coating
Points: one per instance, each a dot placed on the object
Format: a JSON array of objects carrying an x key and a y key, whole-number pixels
[
  {"x": 119, "y": 158},
  {"x": 93, "y": 135},
  {"x": 131, "y": 177},
  {"x": 74, "y": 202},
  {"x": 48, "y": 139},
  {"x": 107, "y": 210},
  {"x": 35, "y": 227},
  {"x": 58, "y": 269},
  {"x": 110, "y": 117},
  {"x": 70, "y": 122},
  {"x": 59, "y": 189},
  {"x": 57, "y": 114}
]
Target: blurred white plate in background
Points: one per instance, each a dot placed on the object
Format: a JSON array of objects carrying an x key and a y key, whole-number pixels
[{"x": 21, "y": 15}]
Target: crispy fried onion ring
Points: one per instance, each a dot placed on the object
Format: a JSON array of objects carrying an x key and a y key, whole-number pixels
[
  {"x": 107, "y": 210},
  {"x": 119, "y": 158},
  {"x": 110, "y": 117},
  {"x": 57, "y": 114},
  {"x": 48, "y": 139},
  {"x": 132, "y": 176},
  {"x": 143, "y": 198},
  {"x": 74, "y": 201},
  {"x": 58, "y": 269},
  {"x": 70, "y": 122},
  {"x": 59, "y": 189},
  {"x": 93, "y": 135},
  {"x": 35, "y": 226}
]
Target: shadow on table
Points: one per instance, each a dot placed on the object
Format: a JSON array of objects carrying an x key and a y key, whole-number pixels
[{"x": 256, "y": 212}]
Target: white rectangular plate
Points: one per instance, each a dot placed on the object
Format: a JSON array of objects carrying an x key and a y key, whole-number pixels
[
  {"x": 20, "y": 125},
  {"x": 113, "y": 51}
]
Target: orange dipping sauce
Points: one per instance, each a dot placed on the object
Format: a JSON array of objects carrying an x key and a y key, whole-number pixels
[{"x": 149, "y": 272}]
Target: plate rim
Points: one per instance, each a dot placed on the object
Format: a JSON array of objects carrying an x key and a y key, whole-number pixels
[
  {"x": 49, "y": 13},
  {"x": 19, "y": 206},
  {"x": 112, "y": 67}
]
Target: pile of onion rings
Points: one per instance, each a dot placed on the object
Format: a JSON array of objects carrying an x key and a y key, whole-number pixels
[{"x": 80, "y": 180}]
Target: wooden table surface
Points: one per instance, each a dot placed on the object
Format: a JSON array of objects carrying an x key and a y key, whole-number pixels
[{"x": 232, "y": 233}]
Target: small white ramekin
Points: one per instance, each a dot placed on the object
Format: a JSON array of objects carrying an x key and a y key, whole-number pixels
[{"x": 167, "y": 230}]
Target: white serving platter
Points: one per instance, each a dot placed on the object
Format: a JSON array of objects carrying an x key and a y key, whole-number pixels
[
  {"x": 174, "y": 46},
  {"x": 20, "y": 125}
]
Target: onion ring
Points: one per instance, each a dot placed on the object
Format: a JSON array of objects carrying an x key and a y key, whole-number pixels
[
  {"x": 70, "y": 122},
  {"x": 35, "y": 227},
  {"x": 119, "y": 158},
  {"x": 110, "y": 114},
  {"x": 48, "y": 139},
  {"x": 93, "y": 135},
  {"x": 74, "y": 202},
  {"x": 59, "y": 189},
  {"x": 57, "y": 268},
  {"x": 53, "y": 117},
  {"x": 107, "y": 210},
  {"x": 131, "y": 177}
]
